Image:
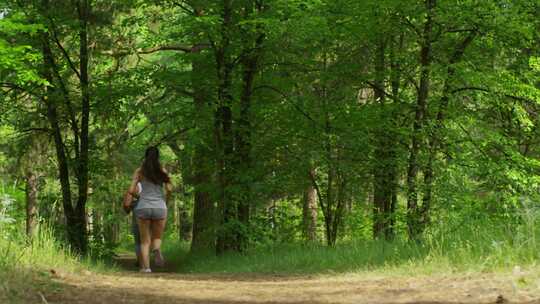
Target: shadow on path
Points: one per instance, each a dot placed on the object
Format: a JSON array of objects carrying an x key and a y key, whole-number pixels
[{"x": 128, "y": 262}]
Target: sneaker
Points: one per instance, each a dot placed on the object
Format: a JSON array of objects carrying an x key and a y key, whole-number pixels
[
  {"x": 158, "y": 258},
  {"x": 147, "y": 270}
]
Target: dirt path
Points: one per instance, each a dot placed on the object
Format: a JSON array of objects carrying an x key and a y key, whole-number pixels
[{"x": 132, "y": 287}]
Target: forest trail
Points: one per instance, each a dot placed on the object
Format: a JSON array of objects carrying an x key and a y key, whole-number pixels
[{"x": 165, "y": 287}]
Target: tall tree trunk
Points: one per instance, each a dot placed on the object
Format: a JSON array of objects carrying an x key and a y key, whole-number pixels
[
  {"x": 329, "y": 215},
  {"x": 382, "y": 188},
  {"x": 413, "y": 212},
  {"x": 79, "y": 220},
  {"x": 329, "y": 218},
  {"x": 243, "y": 158},
  {"x": 243, "y": 176},
  {"x": 330, "y": 203},
  {"x": 181, "y": 212},
  {"x": 96, "y": 229},
  {"x": 204, "y": 211},
  {"x": 76, "y": 225},
  {"x": 50, "y": 99},
  {"x": 225, "y": 140},
  {"x": 341, "y": 198},
  {"x": 31, "y": 203},
  {"x": 386, "y": 164},
  {"x": 204, "y": 237},
  {"x": 226, "y": 240},
  {"x": 435, "y": 136},
  {"x": 185, "y": 227},
  {"x": 309, "y": 210},
  {"x": 393, "y": 175}
]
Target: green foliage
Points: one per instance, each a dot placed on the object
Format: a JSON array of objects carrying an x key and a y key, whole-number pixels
[
  {"x": 18, "y": 61},
  {"x": 312, "y": 108}
]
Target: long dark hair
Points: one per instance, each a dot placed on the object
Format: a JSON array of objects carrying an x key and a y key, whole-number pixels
[{"x": 151, "y": 168}]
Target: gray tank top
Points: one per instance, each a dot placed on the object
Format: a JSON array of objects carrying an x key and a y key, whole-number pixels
[{"x": 151, "y": 196}]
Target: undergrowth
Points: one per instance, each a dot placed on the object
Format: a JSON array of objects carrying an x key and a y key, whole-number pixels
[{"x": 475, "y": 247}]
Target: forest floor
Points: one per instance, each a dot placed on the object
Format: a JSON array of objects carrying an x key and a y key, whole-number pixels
[{"x": 129, "y": 286}]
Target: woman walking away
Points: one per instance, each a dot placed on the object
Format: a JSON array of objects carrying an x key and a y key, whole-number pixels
[{"x": 151, "y": 210}]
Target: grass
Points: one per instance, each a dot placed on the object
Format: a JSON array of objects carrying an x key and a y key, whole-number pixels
[
  {"x": 26, "y": 268},
  {"x": 476, "y": 248}
]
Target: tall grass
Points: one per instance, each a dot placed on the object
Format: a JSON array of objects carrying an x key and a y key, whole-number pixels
[
  {"x": 476, "y": 246},
  {"x": 27, "y": 267}
]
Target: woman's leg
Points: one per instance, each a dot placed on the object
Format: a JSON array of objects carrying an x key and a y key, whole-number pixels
[
  {"x": 145, "y": 234},
  {"x": 158, "y": 226}
]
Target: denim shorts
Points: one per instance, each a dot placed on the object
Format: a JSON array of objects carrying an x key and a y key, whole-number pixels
[{"x": 151, "y": 213}]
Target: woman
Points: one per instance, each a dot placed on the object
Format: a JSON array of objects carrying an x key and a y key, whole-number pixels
[{"x": 151, "y": 210}]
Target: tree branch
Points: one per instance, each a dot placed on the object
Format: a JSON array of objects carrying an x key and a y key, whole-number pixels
[
  {"x": 45, "y": 130},
  {"x": 65, "y": 94},
  {"x": 461, "y": 30},
  {"x": 62, "y": 49},
  {"x": 169, "y": 137},
  {"x": 182, "y": 5},
  {"x": 144, "y": 51},
  {"x": 412, "y": 26},
  {"x": 14, "y": 86},
  {"x": 286, "y": 97}
]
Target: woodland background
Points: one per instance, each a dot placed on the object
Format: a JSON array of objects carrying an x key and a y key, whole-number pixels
[{"x": 282, "y": 122}]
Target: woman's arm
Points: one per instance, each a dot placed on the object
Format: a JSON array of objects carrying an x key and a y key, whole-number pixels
[
  {"x": 128, "y": 198},
  {"x": 133, "y": 190}
]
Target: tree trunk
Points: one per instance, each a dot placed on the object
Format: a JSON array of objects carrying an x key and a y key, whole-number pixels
[
  {"x": 393, "y": 174},
  {"x": 204, "y": 211},
  {"x": 243, "y": 176},
  {"x": 309, "y": 210},
  {"x": 181, "y": 212},
  {"x": 76, "y": 226},
  {"x": 329, "y": 215},
  {"x": 243, "y": 157},
  {"x": 341, "y": 186},
  {"x": 204, "y": 237},
  {"x": 226, "y": 240},
  {"x": 382, "y": 188},
  {"x": 329, "y": 218},
  {"x": 97, "y": 226},
  {"x": 185, "y": 223},
  {"x": 50, "y": 99},
  {"x": 78, "y": 222},
  {"x": 331, "y": 204},
  {"x": 31, "y": 203},
  {"x": 414, "y": 224},
  {"x": 386, "y": 164},
  {"x": 435, "y": 138},
  {"x": 225, "y": 141}
]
